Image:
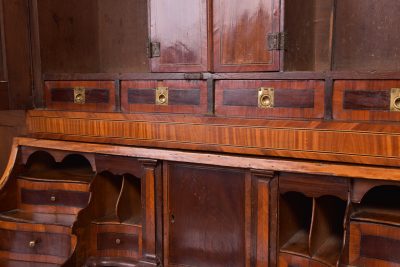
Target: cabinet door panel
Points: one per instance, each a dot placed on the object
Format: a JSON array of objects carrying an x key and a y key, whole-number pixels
[
  {"x": 205, "y": 217},
  {"x": 241, "y": 29},
  {"x": 180, "y": 26}
]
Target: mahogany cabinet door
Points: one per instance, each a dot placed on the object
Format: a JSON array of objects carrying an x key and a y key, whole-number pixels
[
  {"x": 205, "y": 216},
  {"x": 291, "y": 99},
  {"x": 241, "y": 30},
  {"x": 97, "y": 96},
  {"x": 367, "y": 100},
  {"x": 180, "y": 27},
  {"x": 374, "y": 244},
  {"x": 188, "y": 97}
]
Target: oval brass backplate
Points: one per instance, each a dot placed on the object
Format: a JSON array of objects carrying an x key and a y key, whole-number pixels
[
  {"x": 79, "y": 95},
  {"x": 162, "y": 96},
  {"x": 266, "y": 97}
]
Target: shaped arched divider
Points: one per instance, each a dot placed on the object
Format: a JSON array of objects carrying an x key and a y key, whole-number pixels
[
  {"x": 313, "y": 212},
  {"x": 72, "y": 168},
  {"x": 295, "y": 212},
  {"x": 129, "y": 207},
  {"x": 327, "y": 229},
  {"x": 106, "y": 190}
]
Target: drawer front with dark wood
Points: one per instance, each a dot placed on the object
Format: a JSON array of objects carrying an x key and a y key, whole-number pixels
[
  {"x": 52, "y": 197},
  {"x": 55, "y": 198},
  {"x": 365, "y": 238},
  {"x": 367, "y": 100},
  {"x": 51, "y": 244},
  {"x": 270, "y": 99},
  {"x": 164, "y": 96},
  {"x": 98, "y": 96},
  {"x": 117, "y": 240}
]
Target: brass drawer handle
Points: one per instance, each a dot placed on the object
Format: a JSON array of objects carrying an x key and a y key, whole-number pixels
[
  {"x": 53, "y": 198},
  {"x": 395, "y": 99},
  {"x": 79, "y": 95},
  {"x": 266, "y": 97},
  {"x": 118, "y": 241},
  {"x": 162, "y": 96}
]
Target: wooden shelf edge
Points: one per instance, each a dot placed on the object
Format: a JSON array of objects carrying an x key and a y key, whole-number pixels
[
  {"x": 290, "y": 75},
  {"x": 283, "y": 165}
]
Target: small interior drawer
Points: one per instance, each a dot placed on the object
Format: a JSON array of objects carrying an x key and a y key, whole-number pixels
[
  {"x": 98, "y": 96},
  {"x": 270, "y": 99},
  {"x": 164, "y": 96},
  {"x": 117, "y": 240},
  {"x": 55, "y": 198},
  {"x": 52, "y": 197},
  {"x": 35, "y": 243},
  {"x": 367, "y": 100}
]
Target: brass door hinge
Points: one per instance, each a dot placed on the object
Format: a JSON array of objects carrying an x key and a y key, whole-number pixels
[
  {"x": 276, "y": 41},
  {"x": 154, "y": 49}
]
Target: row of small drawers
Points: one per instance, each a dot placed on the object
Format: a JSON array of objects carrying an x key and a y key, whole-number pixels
[{"x": 357, "y": 100}]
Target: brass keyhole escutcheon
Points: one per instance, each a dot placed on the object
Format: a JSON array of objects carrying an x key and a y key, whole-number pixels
[
  {"x": 79, "y": 95},
  {"x": 53, "y": 199},
  {"x": 162, "y": 96},
  {"x": 266, "y": 97}
]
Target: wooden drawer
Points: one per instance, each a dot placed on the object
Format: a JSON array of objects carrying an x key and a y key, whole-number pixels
[
  {"x": 52, "y": 197},
  {"x": 374, "y": 244},
  {"x": 117, "y": 240},
  {"x": 366, "y": 100},
  {"x": 36, "y": 243},
  {"x": 180, "y": 96},
  {"x": 98, "y": 96},
  {"x": 286, "y": 99}
]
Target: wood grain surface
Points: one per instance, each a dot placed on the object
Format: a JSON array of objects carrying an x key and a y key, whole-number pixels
[{"x": 375, "y": 144}]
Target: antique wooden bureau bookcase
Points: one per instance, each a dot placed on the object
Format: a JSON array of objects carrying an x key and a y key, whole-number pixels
[{"x": 200, "y": 133}]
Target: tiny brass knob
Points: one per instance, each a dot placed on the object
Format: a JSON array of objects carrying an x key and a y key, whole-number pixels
[
  {"x": 117, "y": 241},
  {"x": 32, "y": 244},
  {"x": 53, "y": 199},
  {"x": 162, "y": 99}
]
